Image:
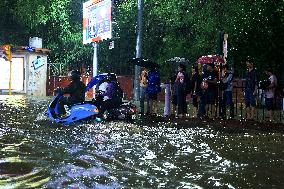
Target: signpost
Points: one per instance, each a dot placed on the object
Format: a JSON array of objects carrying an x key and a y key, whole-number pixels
[
  {"x": 8, "y": 57},
  {"x": 97, "y": 25},
  {"x": 225, "y": 47},
  {"x": 97, "y": 21}
]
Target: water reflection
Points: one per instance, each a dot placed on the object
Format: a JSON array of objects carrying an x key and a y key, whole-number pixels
[{"x": 37, "y": 153}]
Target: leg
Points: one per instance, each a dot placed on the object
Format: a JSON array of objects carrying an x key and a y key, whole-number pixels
[
  {"x": 63, "y": 101},
  {"x": 269, "y": 107},
  {"x": 252, "y": 112},
  {"x": 270, "y": 114},
  {"x": 184, "y": 106},
  {"x": 179, "y": 104},
  {"x": 150, "y": 106},
  {"x": 154, "y": 111},
  {"x": 142, "y": 106},
  {"x": 142, "y": 99},
  {"x": 174, "y": 110},
  {"x": 253, "y": 105},
  {"x": 232, "y": 111},
  {"x": 211, "y": 100},
  {"x": 174, "y": 101},
  {"x": 195, "y": 106},
  {"x": 202, "y": 105},
  {"x": 248, "y": 103},
  {"x": 248, "y": 112},
  {"x": 220, "y": 104},
  {"x": 224, "y": 105},
  {"x": 155, "y": 100},
  {"x": 231, "y": 104},
  {"x": 148, "y": 103}
]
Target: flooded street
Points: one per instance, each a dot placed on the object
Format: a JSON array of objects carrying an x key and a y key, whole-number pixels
[{"x": 36, "y": 153}]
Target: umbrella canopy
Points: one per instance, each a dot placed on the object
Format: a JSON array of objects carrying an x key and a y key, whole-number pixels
[
  {"x": 177, "y": 60},
  {"x": 144, "y": 63},
  {"x": 210, "y": 59}
]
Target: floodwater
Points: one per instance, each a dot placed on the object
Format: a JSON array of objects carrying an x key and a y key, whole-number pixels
[{"x": 36, "y": 153}]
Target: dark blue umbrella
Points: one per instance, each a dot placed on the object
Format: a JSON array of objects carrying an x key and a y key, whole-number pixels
[{"x": 144, "y": 63}]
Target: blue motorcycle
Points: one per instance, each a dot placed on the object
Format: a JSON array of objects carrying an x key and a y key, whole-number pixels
[
  {"x": 74, "y": 113},
  {"x": 88, "y": 109}
]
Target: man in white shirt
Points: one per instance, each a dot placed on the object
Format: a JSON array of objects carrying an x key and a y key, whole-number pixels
[{"x": 270, "y": 92}]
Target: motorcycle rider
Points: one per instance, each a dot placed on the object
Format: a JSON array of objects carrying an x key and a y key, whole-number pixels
[
  {"x": 76, "y": 90},
  {"x": 112, "y": 96}
]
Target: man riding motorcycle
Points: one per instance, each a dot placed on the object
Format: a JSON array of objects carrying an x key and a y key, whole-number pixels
[{"x": 76, "y": 90}]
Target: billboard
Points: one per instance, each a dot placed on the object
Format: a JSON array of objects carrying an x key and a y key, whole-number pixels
[{"x": 97, "y": 20}]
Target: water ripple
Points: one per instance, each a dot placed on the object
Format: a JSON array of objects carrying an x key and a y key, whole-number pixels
[{"x": 38, "y": 153}]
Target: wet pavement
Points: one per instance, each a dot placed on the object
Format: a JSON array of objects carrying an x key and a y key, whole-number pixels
[{"x": 36, "y": 153}]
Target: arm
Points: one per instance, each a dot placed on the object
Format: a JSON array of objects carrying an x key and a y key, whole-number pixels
[
  {"x": 256, "y": 81},
  {"x": 228, "y": 79},
  {"x": 272, "y": 84},
  {"x": 195, "y": 87},
  {"x": 69, "y": 89},
  {"x": 213, "y": 81}
]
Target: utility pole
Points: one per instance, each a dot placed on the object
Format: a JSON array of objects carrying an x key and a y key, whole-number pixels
[
  {"x": 10, "y": 79},
  {"x": 138, "y": 49},
  {"x": 95, "y": 62}
]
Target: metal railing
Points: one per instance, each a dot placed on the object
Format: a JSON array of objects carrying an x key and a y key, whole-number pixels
[{"x": 240, "y": 107}]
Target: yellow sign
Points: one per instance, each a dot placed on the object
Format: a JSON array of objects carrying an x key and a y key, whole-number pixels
[{"x": 7, "y": 52}]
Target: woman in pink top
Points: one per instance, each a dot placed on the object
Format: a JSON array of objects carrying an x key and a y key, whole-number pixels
[{"x": 270, "y": 92}]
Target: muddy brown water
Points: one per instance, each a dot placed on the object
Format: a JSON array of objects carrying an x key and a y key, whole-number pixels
[{"x": 36, "y": 153}]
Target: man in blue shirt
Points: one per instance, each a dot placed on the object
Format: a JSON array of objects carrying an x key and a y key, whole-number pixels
[
  {"x": 227, "y": 81},
  {"x": 250, "y": 89},
  {"x": 152, "y": 90}
]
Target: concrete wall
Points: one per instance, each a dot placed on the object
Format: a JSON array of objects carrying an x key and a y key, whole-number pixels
[{"x": 36, "y": 73}]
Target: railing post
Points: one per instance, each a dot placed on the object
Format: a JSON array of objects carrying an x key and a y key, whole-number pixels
[{"x": 167, "y": 107}]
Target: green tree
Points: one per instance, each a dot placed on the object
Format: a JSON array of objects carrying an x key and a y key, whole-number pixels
[{"x": 185, "y": 28}]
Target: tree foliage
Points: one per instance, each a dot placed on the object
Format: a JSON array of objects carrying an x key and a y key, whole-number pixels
[{"x": 185, "y": 28}]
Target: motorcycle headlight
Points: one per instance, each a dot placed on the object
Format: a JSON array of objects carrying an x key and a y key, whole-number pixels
[{"x": 96, "y": 110}]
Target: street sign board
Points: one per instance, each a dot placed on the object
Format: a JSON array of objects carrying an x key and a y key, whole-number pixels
[{"x": 97, "y": 20}]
